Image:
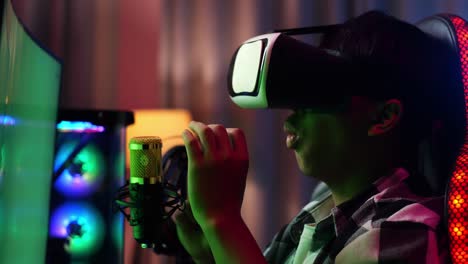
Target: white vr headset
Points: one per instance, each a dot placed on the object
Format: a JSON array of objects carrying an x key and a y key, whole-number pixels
[{"x": 278, "y": 71}]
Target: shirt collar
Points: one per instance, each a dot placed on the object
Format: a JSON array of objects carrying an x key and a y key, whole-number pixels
[{"x": 347, "y": 212}]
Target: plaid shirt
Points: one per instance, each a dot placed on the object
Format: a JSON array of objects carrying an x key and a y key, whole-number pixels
[{"x": 385, "y": 224}]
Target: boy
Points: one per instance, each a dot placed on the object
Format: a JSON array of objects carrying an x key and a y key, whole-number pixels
[{"x": 365, "y": 154}]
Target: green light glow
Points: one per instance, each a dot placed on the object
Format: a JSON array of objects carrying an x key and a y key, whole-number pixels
[
  {"x": 118, "y": 232},
  {"x": 2, "y": 166},
  {"x": 119, "y": 180},
  {"x": 29, "y": 85}
]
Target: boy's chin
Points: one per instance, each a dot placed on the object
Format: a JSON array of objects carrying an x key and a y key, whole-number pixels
[{"x": 314, "y": 172}]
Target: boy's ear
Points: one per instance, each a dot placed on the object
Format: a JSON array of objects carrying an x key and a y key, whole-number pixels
[{"x": 386, "y": 117}]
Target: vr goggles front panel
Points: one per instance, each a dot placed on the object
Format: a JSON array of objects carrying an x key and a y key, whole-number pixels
[
  {"x": 278, "y": 71},
  {"x": 248, "y": 71}
]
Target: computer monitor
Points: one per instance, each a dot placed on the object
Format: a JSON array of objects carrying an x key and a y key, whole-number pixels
[{"x": 29, "y": 91}]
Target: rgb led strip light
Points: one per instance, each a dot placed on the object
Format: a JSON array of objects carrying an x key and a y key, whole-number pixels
[
  {"x": 79, "y": 127},
  {"x": 458, "y": 195}
]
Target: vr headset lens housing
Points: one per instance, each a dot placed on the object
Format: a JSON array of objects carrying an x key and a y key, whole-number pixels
[
  {"x": 247, "y": 74},
  {"x": 278, "y": 71},
  {"x": 247, "y": 67}
]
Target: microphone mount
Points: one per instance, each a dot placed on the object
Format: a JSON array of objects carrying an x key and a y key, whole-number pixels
[{"x": 173, "y": 195}]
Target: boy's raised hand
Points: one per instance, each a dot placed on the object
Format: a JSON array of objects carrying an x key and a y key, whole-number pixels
[
  {"x": 217, "y": 169},
  {"x": 218, "y": 162}
]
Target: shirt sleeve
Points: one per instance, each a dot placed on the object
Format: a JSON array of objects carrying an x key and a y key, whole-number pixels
[{"x": 397, "y": 242}]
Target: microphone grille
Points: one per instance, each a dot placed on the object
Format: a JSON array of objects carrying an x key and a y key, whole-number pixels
[{"x": 145, "y": 159}]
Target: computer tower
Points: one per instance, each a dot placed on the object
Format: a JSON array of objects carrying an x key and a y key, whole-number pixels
[{"x": 89, "y": 168}]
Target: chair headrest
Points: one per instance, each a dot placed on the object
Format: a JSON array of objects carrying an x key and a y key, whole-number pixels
[
  {"x": 438, "y": 154},
  {"x": 440, "y": 27},
  {"x": 453, "y": 32}
]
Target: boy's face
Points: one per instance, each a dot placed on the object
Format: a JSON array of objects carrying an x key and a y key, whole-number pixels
[{"x": 329, "y": 143}]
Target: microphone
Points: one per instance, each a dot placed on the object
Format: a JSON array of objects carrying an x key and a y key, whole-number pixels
[
  {"x": 156, "y": 189},
  {"x": 145, "y": 189}
]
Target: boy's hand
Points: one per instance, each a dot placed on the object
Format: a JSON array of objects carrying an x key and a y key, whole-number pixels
[
  {"x": 217, "y": 170},
  {"x": 191, "y": 236}
]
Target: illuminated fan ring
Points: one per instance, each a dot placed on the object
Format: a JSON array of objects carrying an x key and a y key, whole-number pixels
[
  {"x": 91, "y": 159},
  {"x": 90, "y": 237}
]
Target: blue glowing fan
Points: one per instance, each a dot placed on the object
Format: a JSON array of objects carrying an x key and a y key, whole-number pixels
[
  {"x": 81, "y": 224},
  {"x": 83, "y": 169}
]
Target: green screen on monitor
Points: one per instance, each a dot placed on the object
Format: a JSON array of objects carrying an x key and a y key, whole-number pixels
[{"x": 29, "y": 88}]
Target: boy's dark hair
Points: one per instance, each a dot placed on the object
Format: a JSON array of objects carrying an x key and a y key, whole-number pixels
[{"x": 411, "y": 66}]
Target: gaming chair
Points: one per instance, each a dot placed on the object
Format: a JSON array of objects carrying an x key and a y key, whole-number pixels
[{"x": 449, "y": 156}]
